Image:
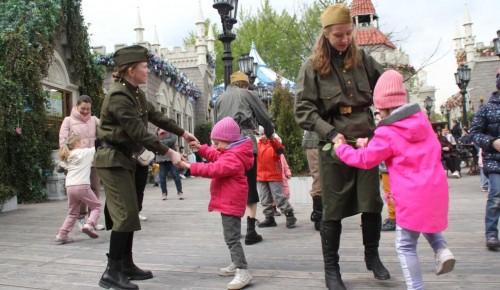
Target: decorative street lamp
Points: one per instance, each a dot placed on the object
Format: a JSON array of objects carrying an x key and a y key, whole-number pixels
[
  {"x": 496, "y": 43},
  {"x": 228, "y": 10},
  {"x": 445, "y": 111},
  {"x": 428, "y": 103},
  {"x": 462, "y": 78},
  {"x": 248, "y": 66}
]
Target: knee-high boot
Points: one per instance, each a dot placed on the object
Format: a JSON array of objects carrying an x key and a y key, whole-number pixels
[
  {"x": 113, "y": 277},
  {"x": 371, "y": 226},
  {"x": 317, "y": 213},
  {"x": 330, "y": 242}
]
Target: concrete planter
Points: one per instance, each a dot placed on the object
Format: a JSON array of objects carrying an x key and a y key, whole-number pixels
[
  {"x": 10, "y": 204},
  {"x": 56, "y": 189},
  {"x": 299, "y": 190}
]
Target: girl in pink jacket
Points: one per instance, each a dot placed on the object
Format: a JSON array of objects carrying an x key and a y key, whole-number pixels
[
  {"x": 405, "y": 140},
  {"x": 230, "y": 157}
]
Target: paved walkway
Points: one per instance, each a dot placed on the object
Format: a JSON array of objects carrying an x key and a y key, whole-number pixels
[{"x": 182, "y": 243}]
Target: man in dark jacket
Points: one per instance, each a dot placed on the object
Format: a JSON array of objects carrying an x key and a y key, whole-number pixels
[{"x": 485, "y": 132}]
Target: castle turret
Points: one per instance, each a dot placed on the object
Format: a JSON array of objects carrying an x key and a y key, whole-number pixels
[
  {"x": 156, "y": 43},
  {"x": 457, "y": 40},
  {"x": 469, "y": 39},
  {"x": 201, "y": 41},
  {"x": 139, "y": 30},
  {"x": 211, "y": 40}
]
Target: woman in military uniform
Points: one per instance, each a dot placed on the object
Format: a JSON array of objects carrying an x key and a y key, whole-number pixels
[
  {"x": 122, "y": 132},
  {"x": 334, "y": 93}
]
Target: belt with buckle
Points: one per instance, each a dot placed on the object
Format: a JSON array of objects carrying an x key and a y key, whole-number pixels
[{"x": 348, "y": 110}]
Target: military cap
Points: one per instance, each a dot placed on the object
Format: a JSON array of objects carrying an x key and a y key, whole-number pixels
[
  {"x": 130, "y": 54},
  {"x": 239, "y": 76},
  {"x": 336, "y": 14}
]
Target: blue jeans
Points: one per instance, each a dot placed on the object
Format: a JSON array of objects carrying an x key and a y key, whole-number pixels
[
  {"x": 493, "y": 206},
  {"x": 484, "y": 180},
  {"x": 166, "y": 167},
  {"x": 406, "y": 246}
]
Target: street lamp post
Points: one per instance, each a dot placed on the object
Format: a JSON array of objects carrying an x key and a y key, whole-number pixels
[
  {"x": 496, "y": 43},
  {"x": 428, "y": 102},
  {"x": 228, "y": 10},
  {"x": 248, "y": 66},
  {"x": 445, "y": 111},
  {"x": 462, "y": 78}
]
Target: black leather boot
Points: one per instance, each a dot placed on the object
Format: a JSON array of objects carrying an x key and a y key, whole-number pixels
[
  {"x": 268, "y": 222},
  {"x": 317, "y": 213},
  {"x": 113, "y": 277},
  {"x": 330, "y": 241},
  {"x": 252, "y": 237},
  {"x": 371, "y": 224},
  {"x": 132, "y": 271},
  {"x": 290, "y": 219}
]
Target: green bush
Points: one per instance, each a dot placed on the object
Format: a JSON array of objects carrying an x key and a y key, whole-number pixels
[
  {"x": 6, "y": 192},
  {"x": 202, "y": 132},
  {"x": 282, "y": 111}
]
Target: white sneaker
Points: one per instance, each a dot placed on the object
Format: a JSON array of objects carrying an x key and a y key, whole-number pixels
[
  {"x": 182, "y": 176},
  {"x": 142, "y": 218},
  {"x": 456, "y": 174},
  {"x": 180, "y": 195},
  {"x": 445, "y": 261},
  {"x": 227, "y": 271},
  {"x": 164, "y": 196},
  {"x": 240, "y": 280},
  {"x": 81, "y": 223},
  {"x": 99, "y": 227},
  {"x": 89, "y": 231}
]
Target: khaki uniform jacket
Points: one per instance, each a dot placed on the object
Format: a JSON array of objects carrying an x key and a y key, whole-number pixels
[
  {"x": 341, "y": 101},
  {"x": 246, "y": 109},
  {"x": 125, "y": 114}
]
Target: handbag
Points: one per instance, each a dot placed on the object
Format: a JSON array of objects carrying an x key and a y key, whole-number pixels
[{"x": 145, "y": 157}]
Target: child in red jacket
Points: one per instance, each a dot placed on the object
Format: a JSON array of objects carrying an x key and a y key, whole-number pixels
[
  {"x": 270, "y": 181},
  {"x": 229, "y": 158}
]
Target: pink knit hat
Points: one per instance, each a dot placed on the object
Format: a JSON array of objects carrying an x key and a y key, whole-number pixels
[
  {"x": 389, "y": 91},
  {"x": 226, "y": 130}
]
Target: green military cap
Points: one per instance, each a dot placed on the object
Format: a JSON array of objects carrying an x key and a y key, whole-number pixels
[
  {"x": 130, "y": 54},
  {"x": 336, "y": 14}
]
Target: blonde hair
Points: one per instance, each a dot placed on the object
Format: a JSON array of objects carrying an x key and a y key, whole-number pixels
[
  {"x": 321, "y": 57},
  {"x": 121, "y": 71},
  {"x": 65, "y": 150}
]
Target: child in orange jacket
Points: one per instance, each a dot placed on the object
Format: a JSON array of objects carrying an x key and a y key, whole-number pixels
[{"x": 270, "y": 181}]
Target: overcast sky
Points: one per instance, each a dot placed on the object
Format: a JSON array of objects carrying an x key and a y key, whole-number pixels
[{"x": 418, "y": 26}]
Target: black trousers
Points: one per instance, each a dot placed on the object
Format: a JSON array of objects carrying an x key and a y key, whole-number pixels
[{"x": 141, "y": 178}]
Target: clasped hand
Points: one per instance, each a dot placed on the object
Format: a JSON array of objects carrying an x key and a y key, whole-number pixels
[{"x": 340, "y": 139}]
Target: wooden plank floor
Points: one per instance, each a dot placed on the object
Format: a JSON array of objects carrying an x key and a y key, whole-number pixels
[{"x": 182, "y": 243}]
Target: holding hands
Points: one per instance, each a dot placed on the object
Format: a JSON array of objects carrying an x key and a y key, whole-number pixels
[
  {"x": 189, "y": 137},
  {"x": 338, "y": 140}
]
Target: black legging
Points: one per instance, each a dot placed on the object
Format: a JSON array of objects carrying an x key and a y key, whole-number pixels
[
  {"x": 120, "y": 243},
  {"x": 141, "y": 178},
  {"x": 452, "y": 162}
]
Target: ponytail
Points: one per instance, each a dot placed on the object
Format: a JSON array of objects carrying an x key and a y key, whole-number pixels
[{"x": 66, "y": 148}]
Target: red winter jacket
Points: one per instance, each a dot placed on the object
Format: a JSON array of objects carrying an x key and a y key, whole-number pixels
[
  {"x": 229, "y": 186},
  {"x": 268, "y": 160}
]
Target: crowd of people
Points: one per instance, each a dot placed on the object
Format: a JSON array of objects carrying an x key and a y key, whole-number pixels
[{"x": 349, "y": 148}]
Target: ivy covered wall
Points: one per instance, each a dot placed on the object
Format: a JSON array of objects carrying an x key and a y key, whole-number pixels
[{"x": 29, "y": 31}]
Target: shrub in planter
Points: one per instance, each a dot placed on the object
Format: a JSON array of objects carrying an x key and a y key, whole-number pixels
[{"x": 6, "y": 193}]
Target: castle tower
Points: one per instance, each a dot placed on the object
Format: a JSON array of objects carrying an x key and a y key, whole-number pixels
[
  {"x": 469, "y": 39},
  {"x": 364, "y": 13},
  {"x": 139, "y": 30},
  {"x": 201, "y": 41},
  {"x": 457, "y": 40},
  {"x": 211, "y": 40},
  {"x": 156, "y": 43}
]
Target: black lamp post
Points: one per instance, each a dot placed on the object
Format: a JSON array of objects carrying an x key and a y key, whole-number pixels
[
  {"x": 248, "y": 66},
  {"x": 445, "y": 111},
  {"x": 462, "y": 78},
  {"x": 228, "y": 10},
  {"x": 428, "y": 103},
  {"x": 496, "y": 43}
]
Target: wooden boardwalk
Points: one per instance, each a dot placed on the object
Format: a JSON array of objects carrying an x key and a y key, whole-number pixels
[{"x": 182, "y": 243}]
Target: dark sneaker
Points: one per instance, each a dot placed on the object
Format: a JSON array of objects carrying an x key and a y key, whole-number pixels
[
  {"x": 290, "y": 219},
  {"x": 492, "y": 243},
  {"x": 389, "y": 225}
]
